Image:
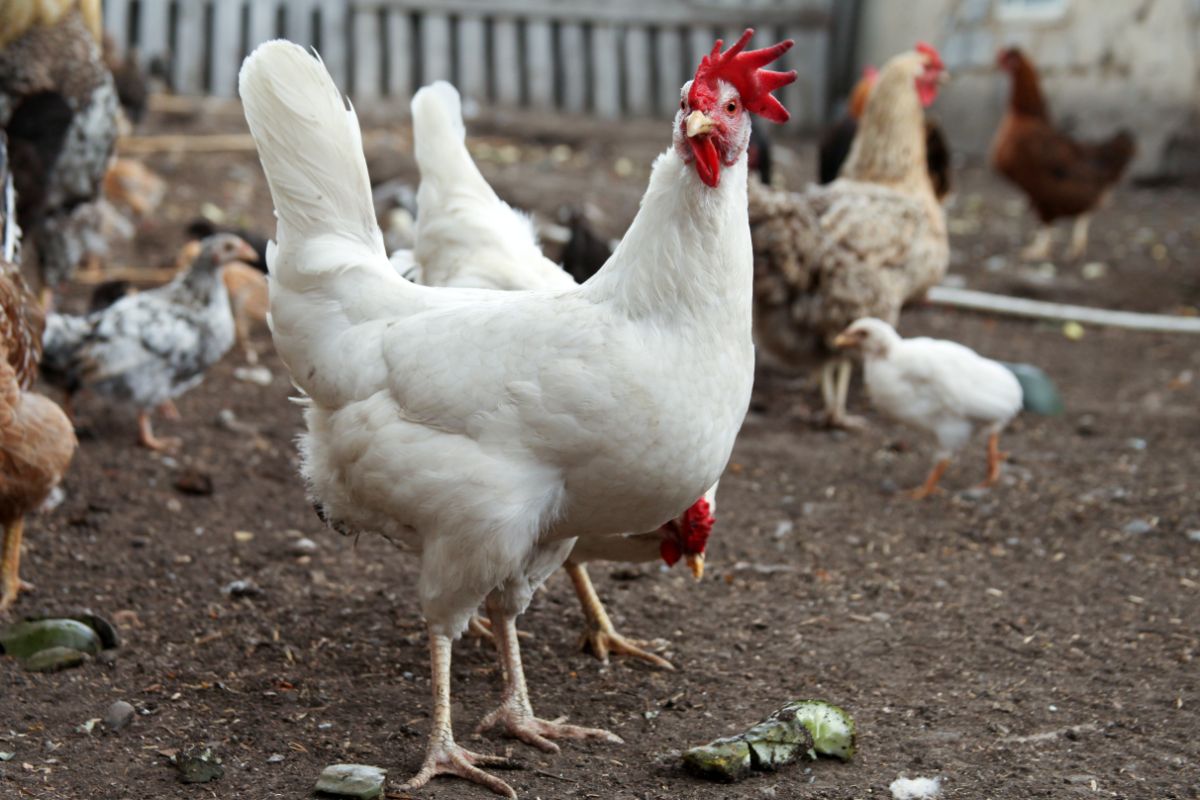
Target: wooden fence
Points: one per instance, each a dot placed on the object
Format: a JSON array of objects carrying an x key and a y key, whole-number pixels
[{"x": 611, "y": 59}]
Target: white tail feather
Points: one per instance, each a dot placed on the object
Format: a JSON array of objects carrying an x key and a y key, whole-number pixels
[
  {"x": 311, "y": 150},
  {"x": 466, "y": 235}
]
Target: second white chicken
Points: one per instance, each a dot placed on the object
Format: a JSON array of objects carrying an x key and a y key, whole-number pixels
[{"x": 936, "y": 386}]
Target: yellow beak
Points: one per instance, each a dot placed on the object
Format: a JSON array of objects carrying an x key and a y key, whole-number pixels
[
  {"x": 843, "y": 340},
  {"x": 695, "y": 563},
  {"x": 698, "y": 123}
]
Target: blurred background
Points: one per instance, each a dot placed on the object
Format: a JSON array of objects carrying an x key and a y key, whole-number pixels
[{"x": 1108, "y": 65}]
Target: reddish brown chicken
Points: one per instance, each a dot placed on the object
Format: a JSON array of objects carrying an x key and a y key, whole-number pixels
[
  {"x": 36, "y": 438},
  {"x": 1062, "y": 177}
]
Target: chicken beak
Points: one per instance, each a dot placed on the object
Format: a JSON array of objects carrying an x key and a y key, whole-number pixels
[
  {"x": 698, "y": 123},
  {"x": 247, "y": 253},
  {"x": 695, "y": 563},
  {"x": 843, "y": 341}
]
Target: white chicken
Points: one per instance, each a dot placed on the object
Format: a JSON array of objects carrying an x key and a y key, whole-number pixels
[
  {"x": 936, "y": 386},
  {"x": 493, "y": 428},
  {"x": 467, "y": 236}
]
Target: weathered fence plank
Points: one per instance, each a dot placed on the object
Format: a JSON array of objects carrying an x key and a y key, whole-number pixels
[
  {"x": 539, "y": 52},
  {"x": 435, "y": 48},
  {"x": 367, "y": 56},
  {"x": 507, "y": 66},
  {"x": 670, "y": 69},
  {"x": 226, "y": 44},
  {"x": 572, "y": 51},
  {"x": 606, "y": 75},
  {"x": 398, "y": 29},
  {"x": 638, "y": 97}
]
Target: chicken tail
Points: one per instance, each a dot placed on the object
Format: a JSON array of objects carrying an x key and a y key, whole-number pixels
[
  {"x": 464, "y": 230},
  {"x": 1115, "y": 154},
  {"x": 62, "y": 346},
  {"x": 311, "y": 150}
]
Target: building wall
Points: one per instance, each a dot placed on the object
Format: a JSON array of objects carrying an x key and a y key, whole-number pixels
[{"x": 1105, "y": 64}]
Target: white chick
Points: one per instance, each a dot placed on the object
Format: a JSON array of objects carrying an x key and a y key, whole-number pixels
[{"x": 936, "y": 386}]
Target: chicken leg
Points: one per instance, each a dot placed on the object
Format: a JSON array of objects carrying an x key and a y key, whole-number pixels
[
  {"x": 931, "y": 483},
  {"x": 146, "y": 437},
  {"x": 1079, "y": 236},
  {"x": 994, "y": 459},
  {"x": 601, "y": 637},
  {"x": 1039, "y": 248},
  {"x": 10, "y": 565},
  {"x": 444, "y": 756},
  {"x": 515, "y": 713},
  {"x": 835, "y": 389}
]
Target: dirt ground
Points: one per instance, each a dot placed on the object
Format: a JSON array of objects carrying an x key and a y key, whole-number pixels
[{"x": 1036, "y": 640}]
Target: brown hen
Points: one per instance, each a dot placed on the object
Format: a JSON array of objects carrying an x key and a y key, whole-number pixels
[
  {"x": 1061, "y": 177},
  {"x": 36, "y": 438}
]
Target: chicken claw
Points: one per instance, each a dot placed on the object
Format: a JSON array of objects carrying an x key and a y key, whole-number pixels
[
  {"x": 994, "y": 459},
  {"x": 146, "y": 437},
  {"x": 931, "y": 483},
  {"x": 601, "y": 637},
  {"x": 450, "y": 758},
  {"x": 515, "y": 713}
]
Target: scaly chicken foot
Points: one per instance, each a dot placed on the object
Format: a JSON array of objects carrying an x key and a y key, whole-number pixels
[
  {"x": 146, "y": 437},
  {"x": 931, "y": 483},
  {"x": 1079, "y": 237},
  {"x": 443, "y": 755},
  {"x": 1039, "y": 248},
  {"x": 601, "y": 638},
  {"x": 515, "y": 713},
  {"x": 835, "y": 389},
  {"x": 10, "y": 566},
  {"x": 994, "y": 459}
]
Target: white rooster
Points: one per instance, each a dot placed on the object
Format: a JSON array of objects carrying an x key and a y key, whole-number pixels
[
  {"x": 492, "y": 428},
  {"x": 466, "y": 236},
  {"x": 936, "y": 386}
]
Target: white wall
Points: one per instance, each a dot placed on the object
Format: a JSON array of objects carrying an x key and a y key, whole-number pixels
[{"x": 1105, "y": 64}]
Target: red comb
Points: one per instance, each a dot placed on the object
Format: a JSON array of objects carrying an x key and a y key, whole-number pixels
[
  {"x": 745, "y": 71},
  {"x": 935, "y": 60}
]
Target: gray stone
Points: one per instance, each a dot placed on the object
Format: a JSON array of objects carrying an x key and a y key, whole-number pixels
[
  {"x": 119, "y": 715},
  {"x": 1193, "y": 536},
  {"x": 352, "y": 780}
]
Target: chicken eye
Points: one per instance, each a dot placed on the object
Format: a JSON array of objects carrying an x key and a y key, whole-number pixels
[
  {"x": 682, "y": 104},
  {"x": 731, "y": 107}
]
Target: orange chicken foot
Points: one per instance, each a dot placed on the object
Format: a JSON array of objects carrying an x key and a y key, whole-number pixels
[
  {"x": 994, "y": 459},
  {"x": 600, "y": 638},
  {"x": 146, "y": 437},
  {"x": 931, "y": 483},
  {"x": 10, "y": 566}
]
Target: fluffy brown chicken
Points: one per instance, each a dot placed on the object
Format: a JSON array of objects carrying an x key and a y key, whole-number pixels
[
  {"x": 36, "y": 438},
  {"x": 58, "y": 106},
  {"x": 861, "y": 246},
  {"x": 1061, "y": 176},
  {"x": 835, "y": 144}
]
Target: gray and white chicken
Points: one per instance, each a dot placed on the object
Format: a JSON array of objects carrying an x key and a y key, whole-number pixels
[{"x": 149, "y": 348}]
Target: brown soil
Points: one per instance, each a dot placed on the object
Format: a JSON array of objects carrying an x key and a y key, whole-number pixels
[{"x": 1019, "y": 643}]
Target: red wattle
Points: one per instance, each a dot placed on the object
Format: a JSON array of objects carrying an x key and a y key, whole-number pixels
[
  {"x": 670, "y": 552},
  {"x": 708, "y": 161}
]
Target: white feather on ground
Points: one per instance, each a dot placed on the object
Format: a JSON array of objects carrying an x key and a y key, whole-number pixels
[{"x": 915, "y": 788}]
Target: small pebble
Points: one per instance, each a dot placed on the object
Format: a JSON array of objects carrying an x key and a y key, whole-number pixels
[
  {"x": 275, "y": 758},
  {"x": 119, "y": 715},
  {"x": 260, "y": 376},
  {"x": 303, "y": 547},
  {"x": 241, "y": 588},
  {"x": 1136, "y": 444},
  {"x": 1138, "y": 527},
  {"x": 352, "y": 780},
  {"x": 1193, "y": 536}
]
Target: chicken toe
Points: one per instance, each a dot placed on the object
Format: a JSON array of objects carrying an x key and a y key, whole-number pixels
[
  {"x": 515, "y": 713},
  {"x": 994, "y": 459},
  {"x": 601, "y": 638},
  {"x": 444, "y": 756},
  {"x": 931, "y": 483},
  {"x": 147, "y": 439}
]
